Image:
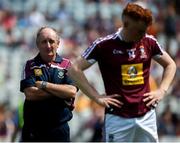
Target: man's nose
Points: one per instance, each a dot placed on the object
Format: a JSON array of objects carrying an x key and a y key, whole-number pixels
[{"x": 48, "y": 44}]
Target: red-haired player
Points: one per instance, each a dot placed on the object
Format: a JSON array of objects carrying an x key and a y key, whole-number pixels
[{"x": 124, "y": 60}]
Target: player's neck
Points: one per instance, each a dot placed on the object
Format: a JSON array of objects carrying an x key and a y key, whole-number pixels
[{"x": 125, "y": 35}]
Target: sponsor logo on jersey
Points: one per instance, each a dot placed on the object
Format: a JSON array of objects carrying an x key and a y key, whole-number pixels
[
  {"x": 132, "y": 74},
  {"x": 37, "y": 72}
]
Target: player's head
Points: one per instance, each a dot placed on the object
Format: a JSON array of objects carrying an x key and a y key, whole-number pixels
[
  {"x": 136, "y": 20},
  {"x": 47, "y": 41}
]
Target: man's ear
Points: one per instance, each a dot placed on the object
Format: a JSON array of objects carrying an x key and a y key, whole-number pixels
[{"x": 59, "y": 42}]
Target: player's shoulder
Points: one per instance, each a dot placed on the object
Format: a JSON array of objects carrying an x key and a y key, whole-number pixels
[
  {"x": 150, "y": 38},
  {"x": 106, "y": 39}
]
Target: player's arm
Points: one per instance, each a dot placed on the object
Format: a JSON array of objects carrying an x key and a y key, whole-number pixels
[
  {"x": 34, "y": 93},
  {"x": 59, "y": 90},
  {"x": 76, "y": 73},
  {"x": 169, "y": 70},
  {"x": 169, "y": 67}
]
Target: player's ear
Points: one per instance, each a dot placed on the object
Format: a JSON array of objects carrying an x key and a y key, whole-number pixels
[
  {"x": 125, "y": 21},
  {"x": 126, "y": 24}
]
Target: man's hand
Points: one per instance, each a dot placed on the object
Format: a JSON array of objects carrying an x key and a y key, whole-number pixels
[
  {"x": 34, "y": 93},
  {"x": 154, "y": 97},
  {"x": 41, "y": 84},
  {"x": 109, "y": 100},
  {"x": 38, "y": 84}
]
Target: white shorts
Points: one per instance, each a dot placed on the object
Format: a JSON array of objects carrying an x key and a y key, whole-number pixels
[{"x": 140, "y": 129}]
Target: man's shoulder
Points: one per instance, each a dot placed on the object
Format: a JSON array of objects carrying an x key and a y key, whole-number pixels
[
  {"x": 30, "y": 62},
  {"x": 64, "y": 64}
]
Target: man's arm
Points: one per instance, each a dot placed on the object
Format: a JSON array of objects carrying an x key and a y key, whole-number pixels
[
  {"x": 168, "y": 74},
  {"x": 59, "y": 90},
  {"x": 76, "y": 73},
  {"x": 34, "y": 93}
]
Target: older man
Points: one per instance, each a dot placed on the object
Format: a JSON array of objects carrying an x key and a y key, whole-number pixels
[{"x": 49, "y": 92}]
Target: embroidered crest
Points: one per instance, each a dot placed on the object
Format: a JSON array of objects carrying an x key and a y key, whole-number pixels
[
  {"x": 131, "y": 53},
  {"x": 37, "y": 72},
  {"x": 61, "y": 74},
  {"x": 143, "y": 53}
]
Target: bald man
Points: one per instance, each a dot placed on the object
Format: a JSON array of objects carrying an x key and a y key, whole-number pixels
[{"x": 49, "y": 92}]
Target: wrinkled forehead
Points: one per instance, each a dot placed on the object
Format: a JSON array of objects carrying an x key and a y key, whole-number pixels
[{"x": 48, "y": 33}]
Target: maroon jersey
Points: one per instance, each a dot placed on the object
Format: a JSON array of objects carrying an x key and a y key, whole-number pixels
[{"x": 125, "y": 69}]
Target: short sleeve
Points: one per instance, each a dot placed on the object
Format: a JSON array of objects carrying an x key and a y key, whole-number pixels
[
  {"x": 28, "y": 82},
  {"x": 91, "y": 53},
  {"x": 28, "y": 78},
  {"x": 69, "y": 81},
  {"x": 156, "y": 48}
]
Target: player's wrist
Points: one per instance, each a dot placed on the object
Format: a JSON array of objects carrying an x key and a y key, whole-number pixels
[
  {"x": 96, "y": 99},
  {"x": 163, "y": 90}
]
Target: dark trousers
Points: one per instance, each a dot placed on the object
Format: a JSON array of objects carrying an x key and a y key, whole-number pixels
[{"x": 57, "y": 134}]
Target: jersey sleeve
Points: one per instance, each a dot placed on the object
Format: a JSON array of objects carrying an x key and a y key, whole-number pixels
[
  {"x": 28, "y": 78},
  {"x": 156, "y": 48},
  {"x": 92, "y": 52}
]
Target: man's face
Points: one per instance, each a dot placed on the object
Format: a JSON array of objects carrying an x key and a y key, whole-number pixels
[
  {"x": 136, "y": 29},
  {"x": 47, "y": 44}
]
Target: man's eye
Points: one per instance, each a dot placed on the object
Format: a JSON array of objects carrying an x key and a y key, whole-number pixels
[
  {"x": 51, "y": 41},
  {"x": 43, "y": 41}
]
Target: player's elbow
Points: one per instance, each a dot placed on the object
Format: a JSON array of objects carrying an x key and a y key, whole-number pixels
[
  {"x": 172, "y": 66},
  {"x": 73, "y": 70}
]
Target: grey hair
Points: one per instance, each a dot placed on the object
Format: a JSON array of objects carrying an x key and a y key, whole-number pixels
[{"x": 44, "y": 27}]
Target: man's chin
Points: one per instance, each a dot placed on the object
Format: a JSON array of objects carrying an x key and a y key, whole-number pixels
[{"x": 50, "y": 55}]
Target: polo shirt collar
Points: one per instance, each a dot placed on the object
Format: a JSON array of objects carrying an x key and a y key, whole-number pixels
[{"x": 58, "y": 59}]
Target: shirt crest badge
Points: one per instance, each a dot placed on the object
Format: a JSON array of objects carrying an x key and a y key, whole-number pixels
[
  {"x": 37, "y": 72},
  {"x": 61, "y": 74},
  {"x": 131, "y": 53},
  {"x": 142, "y": 52}
]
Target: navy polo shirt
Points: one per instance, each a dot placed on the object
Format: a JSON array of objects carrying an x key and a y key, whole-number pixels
[{"x": 52, "y": 112}]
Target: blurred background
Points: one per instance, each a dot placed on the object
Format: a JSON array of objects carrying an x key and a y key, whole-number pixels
[{"x": 80, "y": 22}]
